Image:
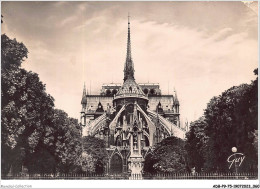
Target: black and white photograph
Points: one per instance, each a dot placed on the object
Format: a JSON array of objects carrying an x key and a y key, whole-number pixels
[{"x": 161, "y": 93}]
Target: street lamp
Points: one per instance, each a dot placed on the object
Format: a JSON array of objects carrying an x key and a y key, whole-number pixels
[{"x": 234, "y": 150}]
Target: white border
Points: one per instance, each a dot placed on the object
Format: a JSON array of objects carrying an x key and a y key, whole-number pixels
[
  {"x": 126, "y": 183},
  {"x": 132, "y": 183}
]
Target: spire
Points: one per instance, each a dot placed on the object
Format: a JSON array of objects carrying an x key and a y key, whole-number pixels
[
  {"x": 84, "y": 98},
  {"x": 84, "y": 90},
  {"x": 176, "y": 98},
  {"x": 129, "y": 65}
]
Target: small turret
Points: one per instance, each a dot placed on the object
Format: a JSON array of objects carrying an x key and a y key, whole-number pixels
[
  {"x": 84, "y": 98},
  {"x": 176, "y": 101},
  {"x": 84, "y": 105},
  {"x": 187, "y": 128}
]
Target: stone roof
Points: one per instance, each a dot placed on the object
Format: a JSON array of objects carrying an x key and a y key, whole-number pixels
[{"x": 130, "y": 89}]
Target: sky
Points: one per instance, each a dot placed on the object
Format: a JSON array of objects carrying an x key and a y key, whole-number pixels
[{"x": 199, "y": 48}]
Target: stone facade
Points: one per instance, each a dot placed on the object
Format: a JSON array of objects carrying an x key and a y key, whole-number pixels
[{"x": 131, "y": 118}]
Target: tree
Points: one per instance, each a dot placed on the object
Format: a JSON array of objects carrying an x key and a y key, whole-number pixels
[
  {"x": 61, "y": 143},
  {"x": 195, "y": 144},
  {"x": 88, "y": 163},
  {"x": 26, "y": 112},
  {"x": 149, "y": 162},
  {"x": 169, "y": 156},
  {"x": 96, "y": 148},
  {"x": 41, "y": 161},
  {"x": 66, "y": 140},
  {"x": 26, "y": 108},
  {"x": 13, "y": 53},
  {"x": 33, "y": 134},
  {"x": 231, "y": 120}
]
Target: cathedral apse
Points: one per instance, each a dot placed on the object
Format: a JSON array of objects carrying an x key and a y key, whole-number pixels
[{"x": 131, "y": 118}]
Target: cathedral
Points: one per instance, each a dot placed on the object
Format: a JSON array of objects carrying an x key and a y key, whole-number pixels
[{"x": 131, "y": 118}]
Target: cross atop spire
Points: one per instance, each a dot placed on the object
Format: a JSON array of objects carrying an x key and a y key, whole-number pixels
[{"x": 129, "y": 65}]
